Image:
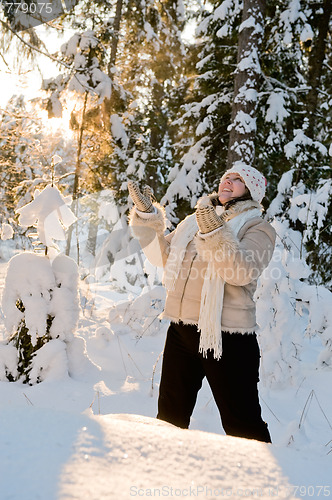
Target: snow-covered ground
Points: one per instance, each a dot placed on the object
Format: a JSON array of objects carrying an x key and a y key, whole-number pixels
[
  {"x": 92, "y": 435},
  {"x": 58, "y": 454}
]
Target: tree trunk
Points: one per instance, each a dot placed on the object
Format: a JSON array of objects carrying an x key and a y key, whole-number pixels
[
  {"x": 92, "y": 236},
  {"x": 107, "y": 105},
  {"x": 115, "y": 39},
  {"x": 77, "y": 176},
  {"x": 241, "y": 145},
  {"x": 316, "y": 60}
]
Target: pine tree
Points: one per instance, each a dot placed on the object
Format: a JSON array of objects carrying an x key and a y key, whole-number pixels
[
  {"x": 142, "y": 55},
  {"x": 205, "y": 116},
  {"x": 289, "y": 49},
  {"x": 298, "y": 136},
  {"x": 247, "y": 84}
]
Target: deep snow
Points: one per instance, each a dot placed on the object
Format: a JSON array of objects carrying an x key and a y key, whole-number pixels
[
  {"x": 124, "y": 456},
  {"x": 93, "y": 435}
]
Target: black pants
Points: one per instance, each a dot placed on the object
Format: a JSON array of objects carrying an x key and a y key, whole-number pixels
[{"x": 233, "y": 380}]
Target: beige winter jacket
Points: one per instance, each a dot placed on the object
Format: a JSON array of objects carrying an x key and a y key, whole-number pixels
[{"x": 238, "y": 259}]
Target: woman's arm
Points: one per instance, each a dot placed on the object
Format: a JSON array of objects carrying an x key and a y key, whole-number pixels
[{"x": 149, "y": 229}]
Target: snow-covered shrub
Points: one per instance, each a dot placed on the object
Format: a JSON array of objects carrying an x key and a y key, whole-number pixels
[
  {"x": 40, "y": 299},
  {"x": 40, "y": 304},
  {"x": 120, "y": 257},
  {"x": 294, "y": 313},
  {"x": 295, "y": 317},
  {"x": 129, "y": 311},
  {"x": 150, "y": 301}
]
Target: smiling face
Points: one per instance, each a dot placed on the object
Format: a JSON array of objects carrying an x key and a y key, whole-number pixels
[{"x": 231, "y": 187}]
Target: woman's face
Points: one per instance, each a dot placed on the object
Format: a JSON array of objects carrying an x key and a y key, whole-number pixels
[{"x": 231, "y": 187}]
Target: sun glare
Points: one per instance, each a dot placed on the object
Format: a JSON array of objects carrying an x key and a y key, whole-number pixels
[{"x": 58, "y": 125}]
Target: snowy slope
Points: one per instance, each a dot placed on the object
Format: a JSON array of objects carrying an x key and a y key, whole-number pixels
[
  {"x": 93, "y": 435},
  {"x": 57, "y": 454}
]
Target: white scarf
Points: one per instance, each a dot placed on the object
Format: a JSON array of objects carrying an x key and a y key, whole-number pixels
[{"x": 212, "y": 295}]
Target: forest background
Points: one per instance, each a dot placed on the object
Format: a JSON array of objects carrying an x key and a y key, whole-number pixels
[{"x": 134, "y": 99}]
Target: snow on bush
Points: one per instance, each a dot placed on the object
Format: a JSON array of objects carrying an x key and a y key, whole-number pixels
[
  {"x": 40, "y": 304},
  {"x": 8, "y": 362},
  {"x": 49, "y": 213},
  {"x": 6, "y": 232},
  {"x": 120, "y": 258},
  {"x": 295, "y": 318},
  {"x": 129, "y": 311},
  {"x": 64, "y": 304},
  {"x": 40, "y": 300},
  {"x": 50, "y": 362}
]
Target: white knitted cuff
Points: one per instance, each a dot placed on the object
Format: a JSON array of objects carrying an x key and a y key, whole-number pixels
[
  {"x": 206, "y": 235},
  {"x": 146, "y": 215}
]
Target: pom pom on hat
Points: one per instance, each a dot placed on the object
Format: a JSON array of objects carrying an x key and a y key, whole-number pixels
[{"x": 253, "y": 179}]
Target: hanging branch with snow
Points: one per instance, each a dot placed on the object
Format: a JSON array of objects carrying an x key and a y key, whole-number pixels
[
  {"x": 81, "y": 54},
  {"x": 49, "y": 214}
]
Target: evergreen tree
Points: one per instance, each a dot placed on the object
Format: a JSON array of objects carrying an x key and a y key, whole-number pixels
[
  {"x": 204, "y": 118},
  {"x": 126, "y": 132},
  {"x": 247, "y": 84},
  {"x": 295, "y": 106},
  {"x": 274, "y": 71}
]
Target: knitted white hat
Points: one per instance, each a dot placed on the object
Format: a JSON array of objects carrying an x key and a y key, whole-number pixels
[{"x": 253, "y": 179}]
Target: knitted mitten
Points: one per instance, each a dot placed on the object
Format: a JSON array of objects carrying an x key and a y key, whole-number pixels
[
  {"x": 143, "y": 201},
  {"x": 207, "y": 219}
]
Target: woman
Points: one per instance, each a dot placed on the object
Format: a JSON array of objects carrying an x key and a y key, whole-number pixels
[{"x": 211, "y": 265}]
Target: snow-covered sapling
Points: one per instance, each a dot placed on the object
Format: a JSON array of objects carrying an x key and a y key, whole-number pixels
[{"x": 40, "y": 300}]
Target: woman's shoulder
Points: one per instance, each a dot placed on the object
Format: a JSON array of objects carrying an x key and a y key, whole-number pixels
[{"x": 258, "y": 225}]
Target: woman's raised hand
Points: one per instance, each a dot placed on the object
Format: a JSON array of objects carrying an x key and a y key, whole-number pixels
[
  {"x": 207, "y": 219},
  {"x": 143, "y": 201}
]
